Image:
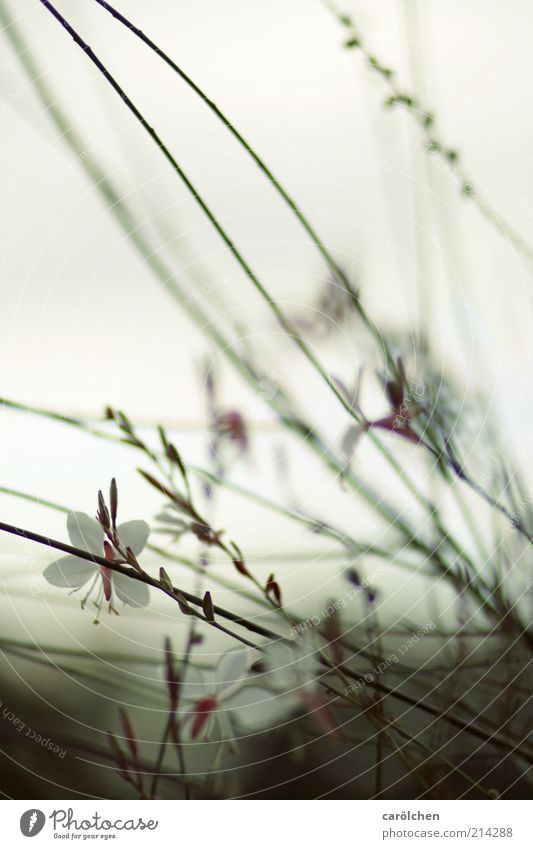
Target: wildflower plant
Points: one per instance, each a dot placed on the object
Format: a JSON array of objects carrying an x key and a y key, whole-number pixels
[{"x": 242, "y": 664}]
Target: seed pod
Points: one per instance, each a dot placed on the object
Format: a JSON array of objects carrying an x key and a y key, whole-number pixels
[
  {"x": 207, "y": 606},
  {"x": 113, "y": 501},
  {"x": 103, "y": 512},
  {"x": 165, "y": 580}
]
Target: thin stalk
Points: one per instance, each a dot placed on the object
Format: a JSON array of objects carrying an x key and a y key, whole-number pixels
[
  {"x": 333, "y": 463},
  {"x": 75, "y": 672},
  {"x": 280, "y": 316},
  {"x": 284, "y": 322},
  {"x": 113, "y": 201},
  {"x": 293, "y": 423},
  {"x": 341, "y": 670},
  {"x": 258, "y": 599},
  {"x": 385, "y": 725},
  {"x": 184, "y": 561},
  {"x": 426, "y": 121},
  {"x": 145, "y": 579},
  {"x": 163, "y": 273},
  {"x": 430, "y": 709},
  {"x": 261, "y": 164},
  {"x": 107, "y": 755},
  {"x": 42, "y": 502},
  {"x": 370, "y": 496},
  {"x": 105, "y": 657},
  {"x": 431, "y": 553}
]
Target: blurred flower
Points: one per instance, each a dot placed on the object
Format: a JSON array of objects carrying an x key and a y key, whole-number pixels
[
  {"x": 226, "y": 425},
  {"x": 232, "y": 426},
  {"x": 74, "y": 572},
  {"x": 293, "y": 674},
  {"x": 289, "y": 684},
  {"x": 350, "y": 441},
  {"x": 232, "y": 696},
  {"x": 405, "y": 406},
  {"x": 337, "y": 302}
]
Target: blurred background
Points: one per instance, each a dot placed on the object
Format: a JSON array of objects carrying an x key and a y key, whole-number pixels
[{"x": 86, "y": 322}]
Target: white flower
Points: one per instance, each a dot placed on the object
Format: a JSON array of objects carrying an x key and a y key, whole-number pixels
[
  {"x": 74, "y": 572},
  {"x": 290, "y": 684},
  {"x": 229, "y": 696},
  {"x": 207, "y": 695}
]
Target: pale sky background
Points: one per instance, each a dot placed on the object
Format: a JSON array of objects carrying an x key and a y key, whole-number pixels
[{"x": 84, "y": 324}]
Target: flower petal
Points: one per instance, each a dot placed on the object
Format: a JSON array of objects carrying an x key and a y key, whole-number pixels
[
  {"x": 201, "y": 714},
  {"x": 232, "y": 666},
  {"x": 85, "y": 533},
  {"x": 131, "y": 592},
  {"x": 69, "y": 572},
  {"x": 290, "y": 667},
  {"x": 320, "y": 711},
  {"x": 255, "y": 708},
  {"x": 281, "y": 662},
  {"x": 134, "y": 535}
]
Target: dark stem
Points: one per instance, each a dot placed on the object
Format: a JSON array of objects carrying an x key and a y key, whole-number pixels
[
  {"x": 463, "y": 724},
  {"x": 145, "y": 579}
]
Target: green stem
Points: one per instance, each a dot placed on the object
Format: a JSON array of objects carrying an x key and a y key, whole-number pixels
[
  {"x": 371, "y": 497},
  {"x": 285, "y": 323},
  {"x": 163, "y": 273},
  {"x": 426, "y": 121},
  {"x": 432, "y": 553}
]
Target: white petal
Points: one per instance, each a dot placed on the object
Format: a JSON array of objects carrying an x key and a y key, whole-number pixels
[
  {"x": 69, "y": 572},
  {"x": 197, "y": 684},
  {"x": 85, "y": 533},
  {"x": 130, "y": 591},
  {"x": 255, "y": 708},
  {"x": 232, "y": 666},
  {"x": 134, "y": 535},
  {"x": 350, "y": 440}
]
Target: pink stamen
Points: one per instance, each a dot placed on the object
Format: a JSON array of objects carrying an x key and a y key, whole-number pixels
[{"x": 202, "y": 711}]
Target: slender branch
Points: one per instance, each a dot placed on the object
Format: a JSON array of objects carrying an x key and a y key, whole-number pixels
[
  {"x": 124, "y": 218},
  {"x": 71, "y": 744},
  {"x": 294, "y": 424},
  {"x": 430, "y": 709}
]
